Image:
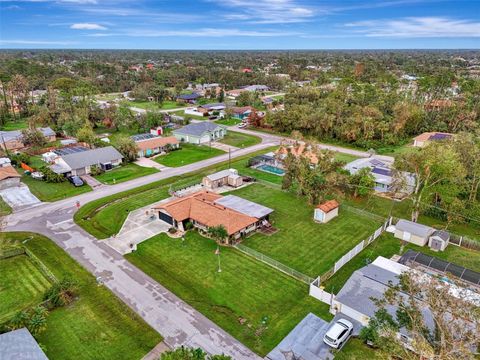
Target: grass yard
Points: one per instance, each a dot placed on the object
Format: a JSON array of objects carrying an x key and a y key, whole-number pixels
[
  {"x": 5, "y": 209},
  {"x": 15, "y": 125},
  {"x": 22, "y": 284},
  {"x": 124, "y": 173},
  {"x": 301, "y": 243},
  {"x": 355, "y": 349},
  {"x": 188, "y": 154},
  {"x": 194, "y": 117},
  {"x": 240, "y": 140},
  {"x": 96, "y": 325},
  {"x": 53, "y": 191},
  {"x": 245, "y": 291},
  {"x": 151, "y": 105},
  {"x": 228, "y": 122},
  {"x": 346, "y": 158}
]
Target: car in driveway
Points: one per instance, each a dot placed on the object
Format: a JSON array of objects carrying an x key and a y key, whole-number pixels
[
  {"x": 338, "y": 333},
  {"x": 75, "y": 180}
]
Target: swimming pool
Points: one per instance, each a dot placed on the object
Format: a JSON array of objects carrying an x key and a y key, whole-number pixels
[{"x": 272, "y": 170}]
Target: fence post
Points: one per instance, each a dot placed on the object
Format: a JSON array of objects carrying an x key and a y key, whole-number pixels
[{"x": 460, "y": 243}]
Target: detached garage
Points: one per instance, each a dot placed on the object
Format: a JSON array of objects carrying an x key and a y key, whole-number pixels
[{"x": 413, "y": 232}]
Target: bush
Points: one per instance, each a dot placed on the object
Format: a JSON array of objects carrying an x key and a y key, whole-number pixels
[
  {"x": 95, "y": 170},
  {"x": 172, "y": 230},
  {"x": 17, "y": 159},
  {"x": 61, "y": 293},
  {"x": 50, "y": 176}
]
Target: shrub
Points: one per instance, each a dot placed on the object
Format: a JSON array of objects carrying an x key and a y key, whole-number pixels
[
  {"x": 61, "y": 293},
  {"x": 172, "y": 230},
  {"x": 50, "y": 176}
]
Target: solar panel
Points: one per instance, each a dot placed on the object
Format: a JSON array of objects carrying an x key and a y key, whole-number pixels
[
  {"x": 70, "y": 150},
  {"x": 381, "y": 171},
  {"x": 140, "y": 137},
  {"x": 376, "y": 162},
  {"x": 439, "y": 137}
]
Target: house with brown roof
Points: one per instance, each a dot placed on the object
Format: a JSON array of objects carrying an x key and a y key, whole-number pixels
[
  {"x": 9, "y": 177},
  {"x": 205, "y": 209},
  {"x": 425, "y": 138},
  {"x": 325, "y": 212},
  {"x": 149, "y": 146}
]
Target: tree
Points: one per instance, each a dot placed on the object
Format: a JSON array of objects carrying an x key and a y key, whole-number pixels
[
  {"x": 86, "y": 134},
  {"x": 440, "y": 324},
  {"x": 218, "y": 233},
  {"x": 362, "y": 183},
  {"x": 128, "y": 148},
  {"x": 33, "y": 137},
  {"x": 50, "y": 176},
  {"x": 61, "y": 293},
  {"x": 437, "y": 167},
  {"x": 184, "y": 353}
]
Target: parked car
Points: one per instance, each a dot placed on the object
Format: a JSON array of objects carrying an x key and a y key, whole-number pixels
[
  {"x": 75, "y": 180},
  {"x": 242, "y": 125},
  {"x": 338, "y": 333}
]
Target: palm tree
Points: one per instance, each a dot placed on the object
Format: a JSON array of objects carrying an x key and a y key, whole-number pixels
[{"x": 218, "y": 233}]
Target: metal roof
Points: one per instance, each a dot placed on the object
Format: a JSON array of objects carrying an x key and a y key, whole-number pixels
[
  {"x": 197, "y": 129},
  {"x": 222, "y": 174},
  {"x": 140, "y": 137},
  {"x": 414, "y": 228},
  {"x": 188, "y": 96},
  {"x": 20, "y": 344},
  {"x": 244, "y": 206},
  {"x": 92, "y": 157}
]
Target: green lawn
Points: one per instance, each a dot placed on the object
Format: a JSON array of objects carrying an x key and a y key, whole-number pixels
[
  {"x": 300, "y": 242},
  {"x": 53, "y": 191},
  {"x": 96, "y": 325},
  {"x": 355, "y": 349},
  {"x": 124, "y": 173},
  {"x": 194, "y": 117},
  {"x": 245, "y": 291},
  {"x": 109, "y": 96},
  {"x": 240, "y": 140},
  {"x": 22, "y": 285},
  {"x": 5, "y": 209},
  {"x": 346, "y": 158},
  {"x": 188, "y": 154},
  {"x": 15, "y": 125},
  {"x": 229, "y": 122},
  {"x": 151, "y": 105}
]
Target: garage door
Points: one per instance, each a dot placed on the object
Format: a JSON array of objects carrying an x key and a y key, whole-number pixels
[{"x": 167, "y": 218}]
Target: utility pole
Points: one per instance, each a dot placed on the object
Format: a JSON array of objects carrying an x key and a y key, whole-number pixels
[{"x": 229, "y": 158}]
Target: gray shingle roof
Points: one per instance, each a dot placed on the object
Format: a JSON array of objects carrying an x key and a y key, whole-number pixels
[
  {"x": 20, "y": 345},
  {"x": 197, "y": 129},
  {"x": 414, "y": 228},
  {"x": 92, "y": 157},
  {"x": 17, "y": 134}
]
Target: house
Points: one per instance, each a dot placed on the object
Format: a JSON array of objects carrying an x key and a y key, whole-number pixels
[
  {"x": 205, "y": 209},
  {"x": 228, "y": 177},
  {"x": 439, "y": 240},
  {"x": 205, "y": 110},
  {"x": 188, "y": 98},
  {"x": 413, "y": 232},
  {"x": 20, "y": 344},
  {"x": 13, "y": 140},
  {"x": 81, "y": 162},
  {"x": 149, "y": 144},
  {"x": 383, "y": 175},
  {"x": 9, "y": 177},
  {"x": 259, "y": 88},
  {"x": 200, "y": 133},
  {"x": 425, "y": 138},
  {"x": 327, "y": 211},
  {"x": 241, "y": 113},
  {"x": 247, "y": 70},
  {"x": 233, "y": 94}
]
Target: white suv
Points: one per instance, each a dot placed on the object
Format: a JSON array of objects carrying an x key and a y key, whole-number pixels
[{"x": 338, "y": 333}]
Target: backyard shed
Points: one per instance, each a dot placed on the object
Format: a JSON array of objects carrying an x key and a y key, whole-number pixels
[
  {"x": 413, "y": 232},
  {"x": 225, "y": 177},
  {"x": 439, "y": 240},
  {"x": 327, "y": 211}
]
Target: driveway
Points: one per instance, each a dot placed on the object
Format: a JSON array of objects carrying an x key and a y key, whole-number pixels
[
  {"x": 19, "y": 197},
  {"x": 305, "y": 341},
  {"x": 149, "y": 163}
]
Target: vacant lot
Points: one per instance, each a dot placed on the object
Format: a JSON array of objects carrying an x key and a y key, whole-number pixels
[
  {"x": 240, "y": 140},
  {"x": 188, "y": 154},
  {"x": 22, "y": 285},
  {"x": 53, "y": 191},
  {"x": 229, "y": 121},
  {"x": 96, "y": 325},
  {"x": 301, "y": 243},
  {"x": 124, "y": 173},
  {"x": 239, "y": 299}
]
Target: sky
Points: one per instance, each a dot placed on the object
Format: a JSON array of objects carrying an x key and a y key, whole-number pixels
[{"x": 240, "y": 24}]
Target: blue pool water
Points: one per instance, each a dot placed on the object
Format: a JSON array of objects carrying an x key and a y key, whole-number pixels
[{"x": 272, "y": 169}]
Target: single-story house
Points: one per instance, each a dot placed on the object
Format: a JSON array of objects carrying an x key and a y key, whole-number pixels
[
  {"x": 9, "y": 177},
  {"x": 233, "y": 94},
  {"x": 327, "y": 211},
  {"x": 80, "y": 163},
  {"x": 4, "y": 161},
  {"x": 241, "y": 113},
  {"x": 20, "y": 344},
  {"x": 228, "y": 177},
  {"x": 439, "y": 240},
  {"x": 413, "y": 232},
  {"x": 188, "y": 98},
  {"x": 13, "y": 140},
  {"x": 155, "y": 145},
  {"x": 213, "y": 106},
  {"x": 425, "y": 138},
  {"x": 382, "y": 172},
  {"x": 256, "y": 88},
  {"x": 205, "y": 209},
  {"x": 200, "y": 133}
]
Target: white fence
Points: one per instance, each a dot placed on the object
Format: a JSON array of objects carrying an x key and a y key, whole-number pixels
[
  {"x": 318, "y": 293},
  {"x": 358, "y": 248}
]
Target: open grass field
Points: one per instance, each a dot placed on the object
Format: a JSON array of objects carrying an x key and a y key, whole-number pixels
[
  {"x": 240, "y": 140},
  {"x": 14, "y": 125},
  {"x": 104, "y": 217},
  {"x": 346, "y": 158},
  {"x": 301, "y": 243},
  {"x": 228, "y": 122},
  {"x": 151, "y": 105},
  {"x": 124, "y": 173},
  {"x": 53, "y": 191},
  {"x": 22, "y": 285},
  {"x": 96, "y": 325},
  {"x": 246, "y": 291},
  {"x": 188, "y": 154}
]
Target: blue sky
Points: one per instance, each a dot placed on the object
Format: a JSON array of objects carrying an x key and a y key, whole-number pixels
[{"x": 240, "y": 24}]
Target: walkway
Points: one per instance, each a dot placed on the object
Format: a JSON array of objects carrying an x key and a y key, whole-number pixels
[{"x": 92, "y": 182}]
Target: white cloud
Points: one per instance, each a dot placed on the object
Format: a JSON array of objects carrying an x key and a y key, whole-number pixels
[
  {"x": 35, "y": 42},
  {"x": 417, "y": 27},
  {"x": 87, "y": 26}
]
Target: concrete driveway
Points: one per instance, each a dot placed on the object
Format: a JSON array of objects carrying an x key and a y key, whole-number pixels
[{"x": 19, "y": 197}]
